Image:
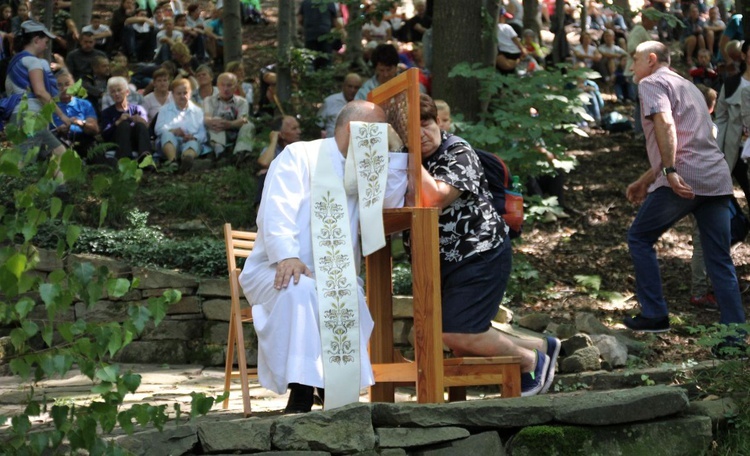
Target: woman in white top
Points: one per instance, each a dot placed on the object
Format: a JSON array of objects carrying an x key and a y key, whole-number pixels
[
  {"x": 180, "y": 127},
  {"x": 206, "y": 88},
  {"x": 161, "y": 94},
  {"x": 586, "y": 51}
]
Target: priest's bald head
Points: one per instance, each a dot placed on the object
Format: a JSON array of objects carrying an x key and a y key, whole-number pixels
[{"x": 355, "y": 111}]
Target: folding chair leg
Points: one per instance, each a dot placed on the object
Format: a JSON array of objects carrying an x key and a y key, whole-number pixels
[
  {"x": 229, "y": 361},
  {"x": 242, "y": 364}
]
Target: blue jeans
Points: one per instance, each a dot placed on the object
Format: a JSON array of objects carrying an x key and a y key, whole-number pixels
[{"x": 662, "y": 209}]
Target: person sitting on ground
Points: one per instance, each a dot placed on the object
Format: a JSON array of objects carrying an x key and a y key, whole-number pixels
[
  {"x": 81, "y": 133},
  {"x": 139, "y": 37},
  {"x": 279, "y": 277},
  {"x": 65, "y": 28},
  {"x": 79, "y": 60},
  {"x": 510, "y": 50},
  {"x": 714, "y": 29},
  {"x": 333, "y": 104},
  {"x": 611, "y": 56},
  {"x": 100, "y": 32},
  {"x": 165, "y": 39},
  {"x": 185, "y": 63},
  {"x": 376, "y": 30},
  {"x": 244, "y": 88},
  {"x": 124, "y": 124},
  {"x": 473, "y": 240},
  {"x": 693, "y": 34},
  {"x": 206, "y": 88},
  {"x": 384, "y": 60},
  {"x": 586, "y": 51},
  {"x": 532, "y": 47},
  {"x": 417, "y": 25},
  {"x": 22, "y": 15},
  {"x": 134, "y": 97},
  {"x": 703, "y": 72},
  {"x": 193, "y": 37},
  {"x": 444, "y": 120},
  {"x": 96, "y": 82},
  {"x": 180, "y": 127},
  {"x": 284, "y": 131},
  {"x": 161, "y": 94},
  {"x": 226, "y": 116},
  {"x": 268, "y": 105},
  {"x": 214, "y": 33}
]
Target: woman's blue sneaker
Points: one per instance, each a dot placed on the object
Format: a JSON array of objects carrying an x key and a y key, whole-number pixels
[
  {"x": 533, "y": 382},
  {"x": 553, "y": 349}
]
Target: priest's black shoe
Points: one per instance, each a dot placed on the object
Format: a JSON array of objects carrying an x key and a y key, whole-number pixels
[{"x": 300, "y": 398}]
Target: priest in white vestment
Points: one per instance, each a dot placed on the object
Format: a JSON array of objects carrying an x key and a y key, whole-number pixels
[{"x": 278, "y": 277}]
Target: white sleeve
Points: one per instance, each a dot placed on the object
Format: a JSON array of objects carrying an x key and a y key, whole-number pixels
[{"x": 398, "y": 178}]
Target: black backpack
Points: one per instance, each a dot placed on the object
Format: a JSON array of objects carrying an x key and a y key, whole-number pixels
[{"x": 498, "y": 180}]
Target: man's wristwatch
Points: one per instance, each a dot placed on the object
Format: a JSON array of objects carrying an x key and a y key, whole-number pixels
[{"x": 668, "y": 170}]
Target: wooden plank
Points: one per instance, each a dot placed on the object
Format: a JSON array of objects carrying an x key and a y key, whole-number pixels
[
  {"x": 380, "y": 302},
  {"x": 472, "y": 360},
  {"x": 428, "y": 348},
  {"x": 395, "y": 372}
]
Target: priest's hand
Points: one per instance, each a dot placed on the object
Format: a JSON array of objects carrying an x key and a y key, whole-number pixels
[{"x": 288, "y": 268}]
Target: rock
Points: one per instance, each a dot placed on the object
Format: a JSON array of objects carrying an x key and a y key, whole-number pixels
[
  {"x": 490, "y": 413},
  {"x": 48, "y": 261},
  {"x": 245, "y": 435},
  {"x": 154, "y": 352},
  {"x": 163, "y": 278},
  {"x": 565, "y": 331},
  {"x": 174, "y": 330},
  {"x": 344, "y": 430},
  {"x": 671, "y": 437},
  {"x": 156, "y": 292},
  {"x": 173, "y": 440},
  {"x": 6, "y": 349},
  {"x": 603, "y": 408},
  {"x": 414, "y": 437},
  {"x": 718, "y": 410},
  {"x": 215, "y": 355},
  {"x": 403, "y": 307},
  {"x": 535, "y": 321},
  {"x": 486, "y": 443},
  {"x": 116, "y": 268},
  {"x": 584, "y": 359},
  {"x": 218, "y": 309},
  {"x": 634, "y": 346},
  {"x": 611, "y": 349},
  {"x": 214, "y": 288},
  {"x": 186, "y": 305},
  {"x": 103, "y": 311},
  {"x": 589, "y": 324},
  {"x": 401, "y": 329},
  {"x": 190, "y": 225},
  {"x": 298, "y": 453},
  {"x": 575, "y": 343},
  {"x": 504, "y": 315}
]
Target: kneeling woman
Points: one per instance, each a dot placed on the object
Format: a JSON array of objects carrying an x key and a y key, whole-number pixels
[
  {"x": 180, "y": 126},
  {"x": 475, "y": 256}
]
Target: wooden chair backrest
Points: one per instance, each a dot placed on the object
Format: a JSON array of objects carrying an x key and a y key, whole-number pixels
[
  {"x": 399, "y": 98},
  {"x": 239, "y": 244}
]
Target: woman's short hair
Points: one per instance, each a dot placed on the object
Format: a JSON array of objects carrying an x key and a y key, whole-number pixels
[
  {"x": 161, "y": 73},
  {"x": 181, "y": 82},
  {"x": 427, "y": 108},
  {"x": 117, "y": 81},
  {"x": 180, "y": 48},
  {"x": 205, "y": 68}
]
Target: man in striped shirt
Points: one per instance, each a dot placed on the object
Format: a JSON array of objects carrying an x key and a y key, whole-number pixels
[{"x": 688, "y": 174}]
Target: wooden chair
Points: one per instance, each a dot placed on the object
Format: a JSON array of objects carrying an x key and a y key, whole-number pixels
[
  {"x": 239, "y": 244},
  {"x": 399, "y": 98}
]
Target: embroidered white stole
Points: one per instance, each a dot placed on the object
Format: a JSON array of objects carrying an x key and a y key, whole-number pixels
[{"x": 365, "y": 173}]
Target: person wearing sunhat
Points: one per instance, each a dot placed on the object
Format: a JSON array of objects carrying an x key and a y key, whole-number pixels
[
  {"x": 509, "y": 47},
  {"x": 30, "y": 74}
]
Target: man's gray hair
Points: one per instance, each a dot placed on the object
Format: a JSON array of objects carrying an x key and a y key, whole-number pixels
[
  {"x": 117, "y": 81},
  {"x": 656, "y": 48}
]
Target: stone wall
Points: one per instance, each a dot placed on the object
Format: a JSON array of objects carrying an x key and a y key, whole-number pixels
[
  {"x": 657, "y": 420},
  {"x": 195, "y": 329}
]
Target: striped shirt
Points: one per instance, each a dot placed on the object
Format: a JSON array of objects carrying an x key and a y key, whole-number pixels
[{"x": 698, "y": 159}]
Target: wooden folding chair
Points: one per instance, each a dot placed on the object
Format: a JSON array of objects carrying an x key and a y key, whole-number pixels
[
  {"x": 239, "y": 244},
  {"x": 399, "y": 98}
]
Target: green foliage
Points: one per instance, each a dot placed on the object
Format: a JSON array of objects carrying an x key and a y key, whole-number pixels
[
  {"x": 524, "y": 279},
  {"x": 402, "y": 279},
  {"x": 553, "y": 440},
  {"x": 45, "y": 342}
]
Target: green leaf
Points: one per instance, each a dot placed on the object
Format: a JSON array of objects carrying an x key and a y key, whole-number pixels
[
  {"x": 590, "y": 282},
  {"x": 115, "y": 343},
  {"x": 67, "y": 212},
  {"x": 126, "y": 422},
  {"x": 101, "y": 183},
  {"x": 102, "y": 388},
  {"x": 108, "y": 373},
  {"x": 139, "y": 316},
  {"x": 59, "y": 415},
  {"x": 70, "y": 164},
  {"x": 47, "y": 332},
  {"x": 201, "y": 404},
  {"x": 20, "y": 367},
  {"x": 84, "y": 272},
  {"x": 16, "y": 265},
  {"x": 49, "y": 293},
  {"x": 18, "y": 338},
  {"x": 29, "y": 328},
  {"x": 24, "y": 306},
  {"x": 131, "y": 381},
  {"x": 103, "y": 212},
  {"x": 38, "y": 441},
  {"x": 117, "y": 288},
  {"x": 71, "y": 235},
  {"x": 55, "y": 206}
]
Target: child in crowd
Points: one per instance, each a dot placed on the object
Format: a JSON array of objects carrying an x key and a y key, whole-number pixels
[
  {"x": 703, "y": 72},
  {"x": 700, "y": 287},
  {"x": 101, "y": 32},
  {"x": 95, "y": 83},
  {"x": 444, "y": 115},
  {"x": 166, "y": 37}
]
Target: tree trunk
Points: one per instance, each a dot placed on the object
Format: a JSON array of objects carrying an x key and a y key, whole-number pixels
[
  {"x": 560, "y": 44},
  {"x": 232, "y": 31},
  {"x": 354, "y": 53},
  {"x": 80, "y": 12},
  {"x": 463, "y": 31},
  {"x": 744, "y": 8},
  {"x": 283, "y": 69},
  {"x": 49, "y": 7},
  {"x": 530, "y": 17},
  {"x": 584, "y": 15}
]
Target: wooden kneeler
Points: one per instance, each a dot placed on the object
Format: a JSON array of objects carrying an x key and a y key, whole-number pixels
[
  {"x": 239, "y": 244},
  {"x": 399, "y": 98}
]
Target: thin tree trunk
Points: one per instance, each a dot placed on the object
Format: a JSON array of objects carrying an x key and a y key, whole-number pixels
[
  {"x": 283, "y": 69},
  {"x": 531, "y": 17},
  {"x": 560, "y": 44},
  {"x": 49, "y": 7},
  {"x": 80, "y": 12},
  {"x": 232, "y": 31},
  {"x": 354, "y": 53}
]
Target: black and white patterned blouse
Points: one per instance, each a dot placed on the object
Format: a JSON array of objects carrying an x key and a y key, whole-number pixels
[{"x": 470, "y": 224}]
